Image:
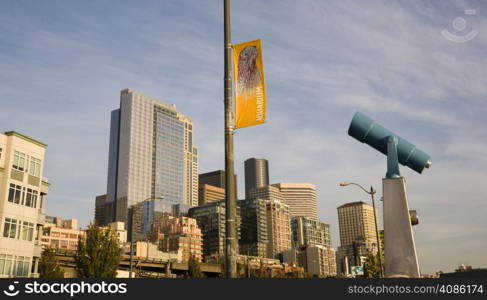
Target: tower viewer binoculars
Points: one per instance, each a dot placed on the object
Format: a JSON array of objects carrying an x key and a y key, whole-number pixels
[{"x": 366, "y": 130}]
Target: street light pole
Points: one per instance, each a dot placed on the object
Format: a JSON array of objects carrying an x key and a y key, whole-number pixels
[
  {"x": 230, "y": 207},
  {"x": 371, "y": 193}
]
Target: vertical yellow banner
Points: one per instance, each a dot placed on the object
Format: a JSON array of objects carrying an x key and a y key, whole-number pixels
[{"x": 250, "y": 96}]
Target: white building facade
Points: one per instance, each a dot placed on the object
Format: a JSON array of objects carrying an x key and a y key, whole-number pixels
[
  {"x": 300, "y": 197},
  {"x": 22, "y": 199}
]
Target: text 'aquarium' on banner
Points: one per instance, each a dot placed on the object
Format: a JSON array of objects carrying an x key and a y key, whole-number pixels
[{"x": 250, "y": 97}]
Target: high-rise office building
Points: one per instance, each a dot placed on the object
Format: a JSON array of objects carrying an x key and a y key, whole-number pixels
[
  {"x": 151, "y": 155},
  {"x": 101, "y": 210},
  {"x": 217, "y": 179},
  {"x": 208, "y": 193},
  {"x": 265, "y": 226},
  {"x": 23, "y": 193},
  {"x": 310, "y": 232},
  {"x": 357, "y": 234},
  {"x": 211, "y": 221},
  {"x": 356, "y": 223},
  {"x": 278, "y": 219},
  {"x": 300, "y": 197},
  {"x": 269, "y": 192},
  {"x": 256, "y": 174},
  {"x": 253, "y": 229},
  {"x": 278, "y": 228}
]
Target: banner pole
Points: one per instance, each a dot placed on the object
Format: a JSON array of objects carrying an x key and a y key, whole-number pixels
[{"x": 230, "y": 201}]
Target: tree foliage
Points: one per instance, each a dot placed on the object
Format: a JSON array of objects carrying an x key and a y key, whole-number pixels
[
  {"x": 371, "y": 265},
  {"x": 48, "y": 265},
  {"x": 194, "y": 268},
  {"x": 98, "y": 254}
]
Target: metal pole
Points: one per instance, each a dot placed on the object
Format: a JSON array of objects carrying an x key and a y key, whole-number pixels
[
  {"x": 372, "y": 192},
  {"x": 231, "y": 242}
]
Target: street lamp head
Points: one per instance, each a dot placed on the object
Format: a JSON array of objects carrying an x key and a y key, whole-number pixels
[{"x": 344, "y": 183}]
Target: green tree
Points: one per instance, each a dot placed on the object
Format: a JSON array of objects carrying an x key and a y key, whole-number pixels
[
  {"x": 49, "y": 266},
  {"x": 371, "y": 265},
  {"x": 194, "y": 268},
  {"x": 98, "y": 254}
]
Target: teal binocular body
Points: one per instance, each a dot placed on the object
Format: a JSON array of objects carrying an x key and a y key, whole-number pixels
[{"x": 366, "y": 130}]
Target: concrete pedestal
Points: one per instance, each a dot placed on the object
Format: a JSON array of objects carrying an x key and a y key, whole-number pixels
[{"x": 400, "y": 250}]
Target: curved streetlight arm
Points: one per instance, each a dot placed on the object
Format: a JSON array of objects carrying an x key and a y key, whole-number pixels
[{"x": 371, "y": 192}]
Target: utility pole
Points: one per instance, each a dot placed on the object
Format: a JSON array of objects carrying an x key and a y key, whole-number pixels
[
  {"x": 231, "y": 241},
  {"x": 379, "y": 254}
]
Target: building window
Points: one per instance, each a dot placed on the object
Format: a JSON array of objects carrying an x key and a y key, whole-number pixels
[
  {"x": 19, "y": 161},
  {"x": 31, "y": 198},
  {"x": 0, "y": 153},
  {"x": 10, "y": 228},
  {"x": 27, "y": 231},
  {"x": 14, "y": 193},
  {"x": 63, "y": 244},
  {"x": 17, "y": 266},
  {"x": 22, "y": 267},
  {"x": 16, "y": 196},
  {"x": 6, "y": 264},
  {"x": 35, "y": 167}
]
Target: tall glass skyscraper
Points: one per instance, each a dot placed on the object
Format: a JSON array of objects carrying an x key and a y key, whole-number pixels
[{"x": 151, "y": 155}]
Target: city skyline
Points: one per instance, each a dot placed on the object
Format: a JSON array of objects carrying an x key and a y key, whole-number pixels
[{"x": 64, "y": 66}]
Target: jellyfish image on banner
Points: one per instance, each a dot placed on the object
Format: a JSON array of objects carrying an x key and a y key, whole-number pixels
[{"x": 248, "y": 74}]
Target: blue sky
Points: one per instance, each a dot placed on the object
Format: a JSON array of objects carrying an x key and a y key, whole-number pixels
[{"x": 64, "y": 63}]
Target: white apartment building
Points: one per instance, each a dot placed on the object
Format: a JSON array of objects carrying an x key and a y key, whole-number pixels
[{"x": 23, "y": 193}]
